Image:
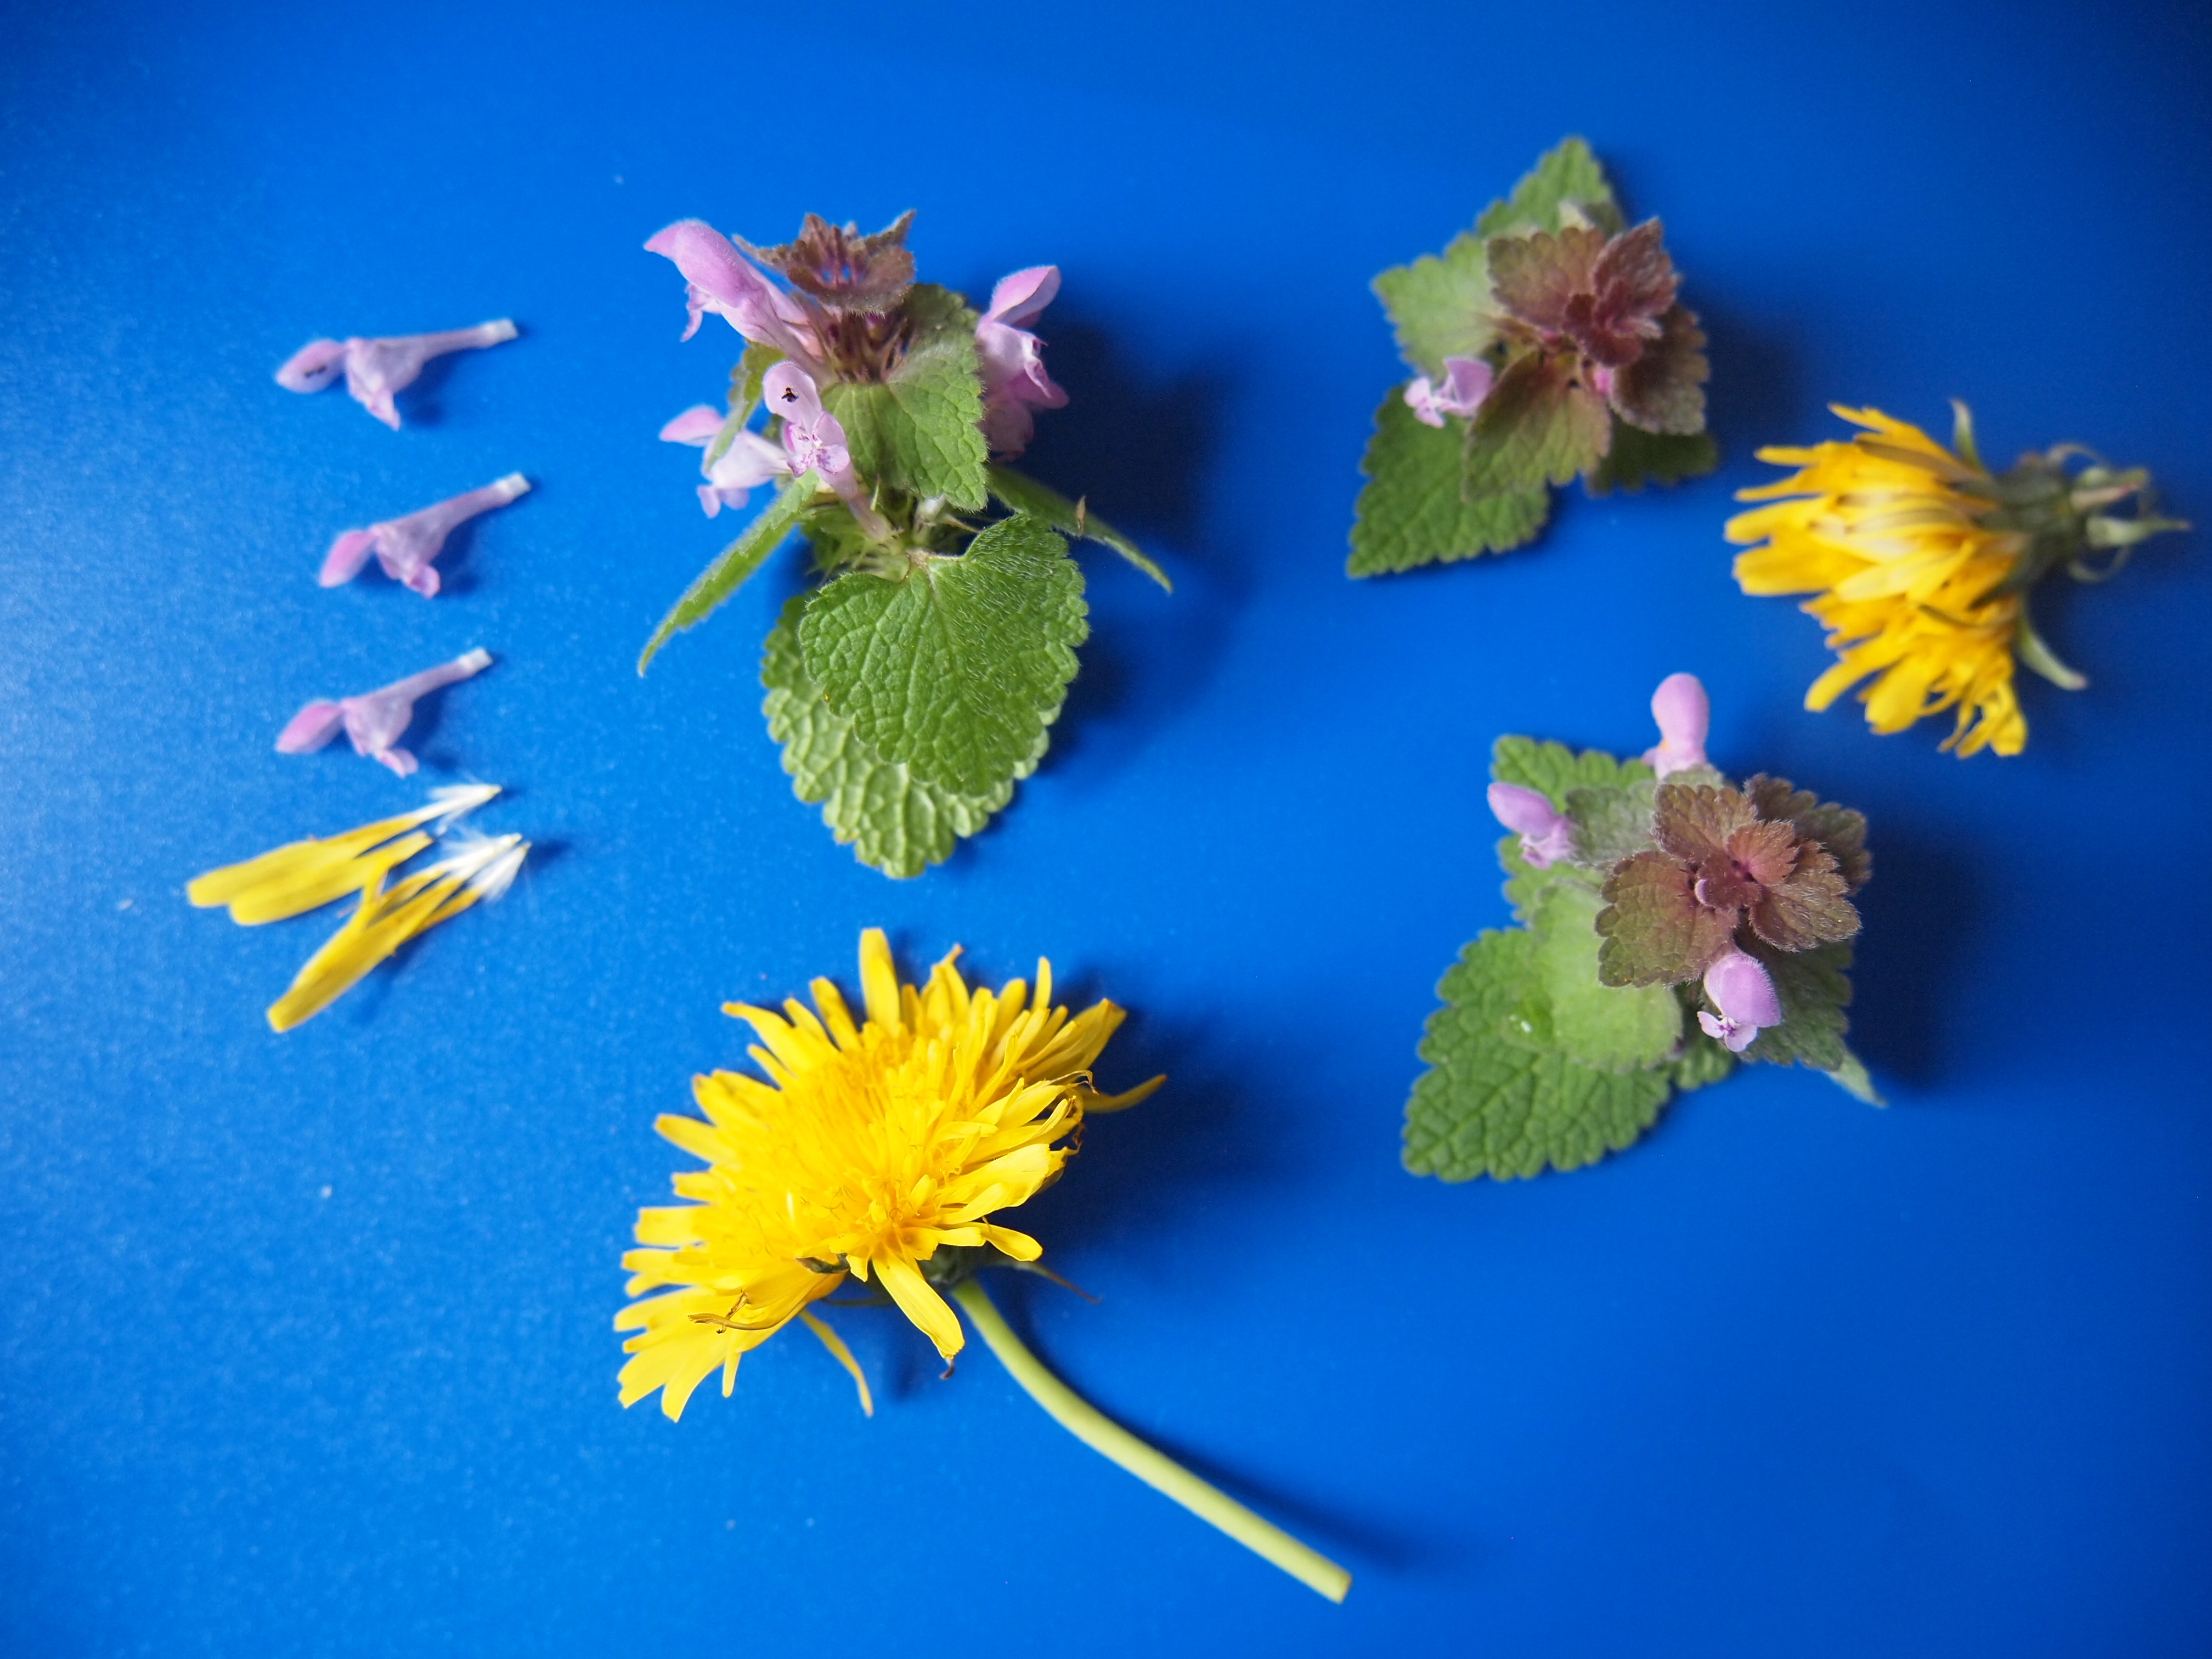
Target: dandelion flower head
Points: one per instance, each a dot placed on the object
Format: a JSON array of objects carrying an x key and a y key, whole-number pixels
[
  {"x": 870, "y": 1147},
  {"x": 1885, "y": 531}
]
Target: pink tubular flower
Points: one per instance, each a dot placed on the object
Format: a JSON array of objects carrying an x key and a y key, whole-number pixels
[
  {"x": 751, "y": 459},
  {"x": 1684, "y": 715},
  {"x": 814, "y": 440},
  {"x": 374, "y": 720},
  {"x": 374, "y": 369},
  {"x": 405, "y": 547},
  {"x": 1546, "y": 836},
  {"x": 1014, "y": 380},
  {"x": 1740, "y": 988},
  {"x": 1466, "y": 383},
  {"x": 720, "y": 280}
]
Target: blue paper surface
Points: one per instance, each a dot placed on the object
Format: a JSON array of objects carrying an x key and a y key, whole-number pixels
[{"x": 304, "y": 1340}]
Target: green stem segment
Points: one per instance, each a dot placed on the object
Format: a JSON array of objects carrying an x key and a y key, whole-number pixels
[{"x": 1110, "y": 1439}]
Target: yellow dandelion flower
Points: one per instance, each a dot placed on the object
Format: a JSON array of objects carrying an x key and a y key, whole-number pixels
[
  {"x": 872, "y": 1148},
  {"x": 1921, "y": 561},
  {"x": 882, "y": 1152},
  {"x": 386, "y": 918}
]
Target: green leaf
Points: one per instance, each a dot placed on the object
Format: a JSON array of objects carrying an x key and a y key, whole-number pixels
[
  {"x": 1852, "y": 1078},
  {"x": 1654, "y": 931},
  {"x": 916, "y": 430},
  {"x": 1664, "y": 389},
  {"x": 1638, "y": 457},
  {"x": 1554, "y": 770},
  {"x": 734, "y": 563},
  {"x": 1569, "y": 173},
  {"x": 1439, "y": 307},
  {"x": 958, "y": 669},
  {"x": 1610, "y": 1028},
  {"x": 1537, "y": 426},
  {"x": 1815, "y": 987},
  {"x": 1494, "y": 1107},
  {"x": 1019, "y": 493},
  {"x": 745, "y": 377},
  {"x": 1413, "y": 511},
  {"x": 1612, "y": 821},
  {"x": 893, "y": 821}
]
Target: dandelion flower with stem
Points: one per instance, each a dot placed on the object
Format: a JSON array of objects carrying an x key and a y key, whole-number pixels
[
  {"x": 883, "y": 1150},
  {"x": 1921, "y": 561}
]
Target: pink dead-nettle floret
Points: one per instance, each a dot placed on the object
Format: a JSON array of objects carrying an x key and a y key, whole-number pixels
[
  {"x": 814, "y": 440},
  {"x": 374, "y": 369},
  {"x": 718, "y": 279},
  {"x": 1466, "y": 383},
  {"x": 1012, "y": 359},
  {"x": 405, "y": 547},
  {"x": 1546, "y": 834},
  {"x": 1684, "y": 715},
  {"x": 374, "y": 720},
  {"x": 1738, "y": 987},
  {"x": 750, "y": 461}
]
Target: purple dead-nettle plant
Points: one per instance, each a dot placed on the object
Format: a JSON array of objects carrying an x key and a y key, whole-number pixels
[
  {"x": 375, "y": 369},
  {"x": 407, "y": 546},
  {"x": 375, "y": 720},
  {"x": 1548, "y": 341},
  {"x": 1670, "y": 924},
  {"x": 916, "y": 683}
]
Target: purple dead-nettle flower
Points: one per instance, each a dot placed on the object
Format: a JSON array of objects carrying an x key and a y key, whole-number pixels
[
  {"x": 374, "y": 369},
  {"x": 814, "y": 440},
  {"x": 750, "y": 461},
  {"x": 375, "y": 720},
  {"x": 1740, "y": 987},
  {"x": 1546, "y": 834},
  {"x": 406, "y": 546},
  {"x": 1466, "y": 383},
  {"x": 1685, "y": 715},
  {"x": 720, "y": 281},
  {"x": 1012, "y": 359}
]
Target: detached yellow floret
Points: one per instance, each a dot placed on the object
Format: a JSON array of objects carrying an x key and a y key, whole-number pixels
[
  {"x": 386, "y": 919},
  {"x": 304, "y": 875},
  {"x": 870, "y": 1148},
  {"x": 1885, "y": 529}
]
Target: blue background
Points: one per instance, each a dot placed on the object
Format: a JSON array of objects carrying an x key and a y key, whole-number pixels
[{"x": 304, "y": 1341}]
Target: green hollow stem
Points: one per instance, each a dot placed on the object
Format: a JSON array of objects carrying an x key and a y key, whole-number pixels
[{"x": 1161, "y": 1472}]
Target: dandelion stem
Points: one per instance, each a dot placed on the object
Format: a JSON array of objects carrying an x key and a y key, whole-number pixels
[{"x": 1089, "y": 1426}]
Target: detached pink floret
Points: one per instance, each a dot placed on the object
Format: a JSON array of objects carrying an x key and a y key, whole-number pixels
[
  {"x": 374, "y": 720},
  {"x": 374, "y": 369},
  {"x": 1466, "y": 383},
  {"x": 1684, "y": 714},
  {"x": 1546, "y": 834},
  {"x": 1014, "y": 380},
  {"x": 1738, "y": 987},
  {"x": 751, "y": 459},
  {"x": 405, "y": 547}
]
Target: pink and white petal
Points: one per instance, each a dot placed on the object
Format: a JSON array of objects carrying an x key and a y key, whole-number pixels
[
  {"x": 1018, "y": 297},
  {"x": 697, "y": 425},
  {"x": 313, "y": 365},
  {"x": 347, "y": 556},
  {"x": 311, "y": 728}
]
